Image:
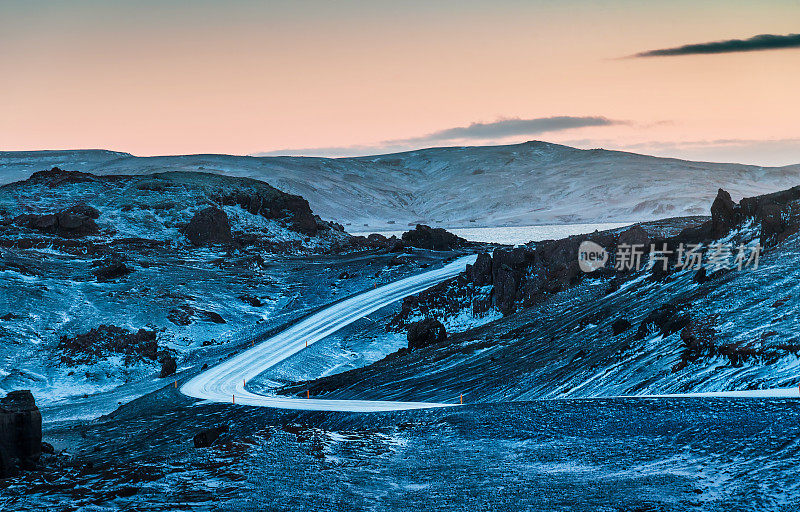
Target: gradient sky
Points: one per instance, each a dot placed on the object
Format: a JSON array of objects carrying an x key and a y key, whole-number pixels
[{"x": 356, "y": 77}]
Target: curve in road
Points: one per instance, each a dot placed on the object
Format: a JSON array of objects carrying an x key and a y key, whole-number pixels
[{"x": 226, "y": 382}]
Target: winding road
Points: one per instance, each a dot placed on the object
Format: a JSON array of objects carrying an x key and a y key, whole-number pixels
[{"x": 226, "y": 382}]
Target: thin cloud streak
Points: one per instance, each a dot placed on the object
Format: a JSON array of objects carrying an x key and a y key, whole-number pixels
[
  {"x": 511, "y": 127},
  {"x": 499, "y": 129},
  {"x": 757, "y": 43}
]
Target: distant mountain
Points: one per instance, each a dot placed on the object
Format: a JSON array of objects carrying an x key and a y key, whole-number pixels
[{"x": 521, "y": 184}]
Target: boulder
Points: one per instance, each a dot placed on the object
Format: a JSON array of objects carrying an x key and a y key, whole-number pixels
[
  {"x": 114, "y": 269},
  {"x": 396, "y": 245},
  {"x": 20, "y": 432},
  {"x": 619, "y": 326},
  {"x": 210, "y": 316},
  {"x": 207, "y": 437},
  {"x": 776, "y": 226},
  {"x": 435, "y": 239},
  {"x": 168, "y": 365},
  {"x": 209, "y": 226},
  {"x": 425, "y": 332}
]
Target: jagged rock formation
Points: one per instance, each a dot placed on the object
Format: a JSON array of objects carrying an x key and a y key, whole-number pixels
[
  {"x": 112, "y": 269},
  {"x": 525, "y": 275},
  {"x": 271, "y": 203},
  {"x": 435, "y": 239},
  {"x": 20, "y": 432}
]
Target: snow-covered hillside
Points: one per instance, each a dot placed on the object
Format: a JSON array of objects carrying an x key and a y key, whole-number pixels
[{"x": 523, "y": 184}]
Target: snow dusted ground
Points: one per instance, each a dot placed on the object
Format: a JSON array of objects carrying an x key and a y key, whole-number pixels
[
  {"x": 564, "y": 347},
  {"x": 518, "y": 185},
  {"x": 200, "y": 303},
  {"x": 584, "y": 455}
]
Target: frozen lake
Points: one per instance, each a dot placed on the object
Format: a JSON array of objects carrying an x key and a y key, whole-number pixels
[{"x": 514, "y": 235}]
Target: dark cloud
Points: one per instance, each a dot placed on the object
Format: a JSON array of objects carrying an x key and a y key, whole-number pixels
[
  {"x": 464, "y": 134},
  {"x": 756, "y": 43},
  {"x": 511, "y": 127}
]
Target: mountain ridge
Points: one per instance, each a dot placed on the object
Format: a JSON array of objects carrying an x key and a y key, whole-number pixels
[{"x": 464, "y": 186}]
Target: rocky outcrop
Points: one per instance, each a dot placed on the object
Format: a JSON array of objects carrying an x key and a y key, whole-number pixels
[
  {"x": 109, "y": 339},
  {"x": 434, "y": 239},
  {"x": 425, "y": 332},
  {"x": 634, "y": 236},
  {"x": 480, "y": 273},
  {"x": 152, "y": 206},
  {"x": 209, "y": 226},
  {"x": 619, "y": 326},
  {"x": 724, "y": 214},
  {"x": 168, "y": 365},
  {"x": 76, "y": 221},
  {"x": 271, "y": 203},
  {"x": 20, "y": 432},
  {"x": 111, "y": 270},
  {"x": 186, "y": 315}
]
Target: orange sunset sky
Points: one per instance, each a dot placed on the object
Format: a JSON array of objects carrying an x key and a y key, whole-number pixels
[{"x": 353, "y": 77}]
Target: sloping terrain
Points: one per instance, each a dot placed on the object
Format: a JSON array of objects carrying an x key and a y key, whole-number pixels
[
  {"x": 110, "y": 281},
  {"x": 522, "y": 184},
  {"x": 578, "y": 455},
  {"x": 610, "y": 333}
]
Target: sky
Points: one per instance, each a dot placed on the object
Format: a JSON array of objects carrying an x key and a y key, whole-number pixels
[{"x": 714, "y": 80}]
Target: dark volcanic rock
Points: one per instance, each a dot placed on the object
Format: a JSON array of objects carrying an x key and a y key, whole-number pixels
[
  {"x": 207, "y": 437},
  {"x": 253, "y": 301},
  {"x": 48, "y": 448},
  {"x": 168, "y": 365},
  {"x": 425, "y": 332},
  {"x": 271, "y": 203},
  {"x": 181, "y": 316},
  {"x": 115, "y": 269},
  {"x": 209, "y": 226},
  {"x": 724, "y": 214},
  {"x": 774, "y": 225},
  {"x": 480, "y": 274},
  {"x": 394, "y": 244},
  {"x": 210, "y": 316},
  {"x": 619, "y": 326},
  {"x": 635, "y": 235},
  {"x": 778, "y": 212},
  {"x": 105, "y": 339},
  {"x": 76, "y": 221},
  {"x": 20, "y": 432},
  {"x": 436, "y": 239},
  {"x": 667, "y": 319},
  {"x": 56, "y": 176}
]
